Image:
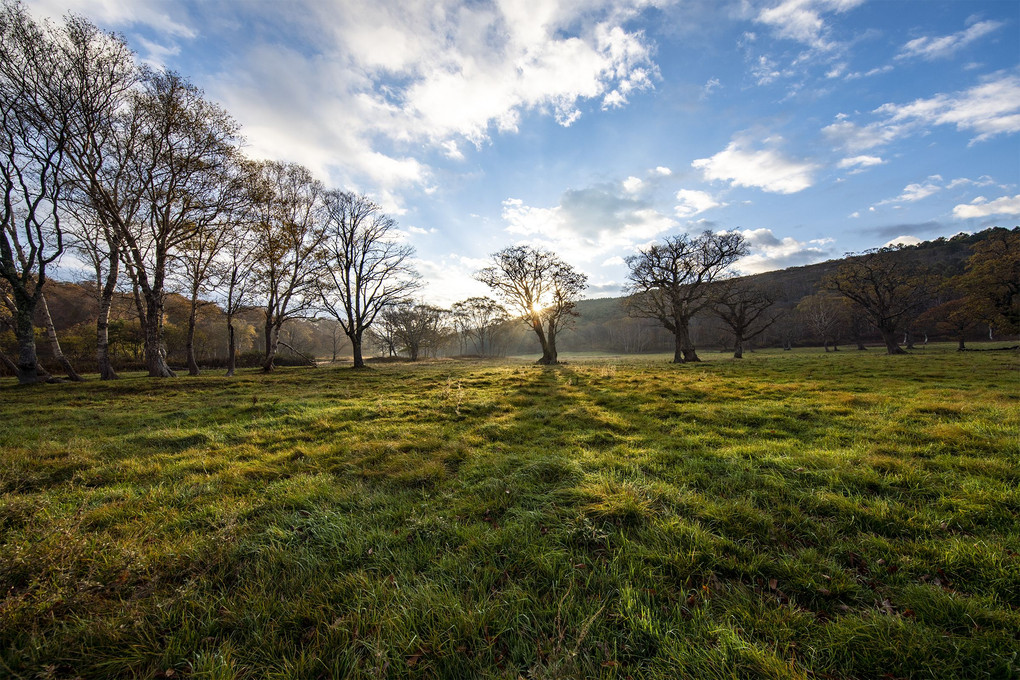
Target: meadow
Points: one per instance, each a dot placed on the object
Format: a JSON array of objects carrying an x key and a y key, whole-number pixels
[{"x": 791, "y": 515}]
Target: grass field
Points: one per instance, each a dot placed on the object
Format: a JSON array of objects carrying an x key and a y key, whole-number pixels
[{"x": 796, "y": 515}]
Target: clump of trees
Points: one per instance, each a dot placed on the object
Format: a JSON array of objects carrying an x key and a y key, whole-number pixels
[
  {"x": 143, "y": 177},
  {"x": 670, "y": 281}
]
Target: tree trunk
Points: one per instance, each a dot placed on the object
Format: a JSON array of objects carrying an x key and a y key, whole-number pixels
[
  {"x": 961, "y": 346},
  {"x": 738, "y": 348},
  {"x": 413, "y": 349},
  {"x": 690, "y": 355},
  {"x": 51, "y": 334},
  {"x": 272, "y": 345},
  {"x": 106, "y": 371},
  {"x": 548, "y": 349},
  {"x": 860, "y": 346},
  {"x": 678, "y": 349},
  {"x": 155, "y": 355},
  {"x": 891, "y": 346},
  {"x": 359, "y": 361},
  {"x": 190, "y": 343},
  {"x": 28, "y": 369},
  {"x": 231, "y": 346},
  {"x": 908, "y": 339}
]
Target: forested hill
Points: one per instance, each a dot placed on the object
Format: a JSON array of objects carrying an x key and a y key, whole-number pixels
[{"x": 603, "y": 324}]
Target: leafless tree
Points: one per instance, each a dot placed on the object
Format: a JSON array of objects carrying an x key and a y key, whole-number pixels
[
  {"x": 288, "y": 216},
  {"x": 540, "y": 287},
  {"x": 889, "y": 290},
  {"x": 367, "y": 267},
  {"x": 33, "y": 142},
  {"x": 78, "y": 79},
  {"x": 187, "y": 148},
  {"x": 827, "y": 316},
  {"x": 669, "y": 282},
  {"x": 744, "y": 309}
]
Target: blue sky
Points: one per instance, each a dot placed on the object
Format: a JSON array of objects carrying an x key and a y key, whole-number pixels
[{"x": 815, "y": 127}]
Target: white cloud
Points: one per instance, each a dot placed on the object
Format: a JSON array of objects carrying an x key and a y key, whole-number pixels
[
  {"x": 663, "y": 170},
  {"x": 633, "y": 184},
  {"x": 860, "y": 162},
  {"x": 452, "y": 151},
  {"x": 361, "y": 93},
  {"x": 856, "y": 138},
  {"x": 982, "y": 181},
  {"x": 614, "y": 261},
  {"x": 905, "y": 240},
  {"x": 693, "y": 202},
  {"x": 928, "y": 47},
  {"x": 710, "y": 86},
  {"x": 157, "y": 15},
  {"x": 766, "y": 169},
  {"x": 982, "y": 207},
  {"x": 801, "y": 20},
  {"x": 769, "y": 252},
  {"x": 916, "y": 191}
]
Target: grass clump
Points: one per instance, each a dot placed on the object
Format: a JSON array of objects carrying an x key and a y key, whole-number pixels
[{"x": 788, "y": 516}]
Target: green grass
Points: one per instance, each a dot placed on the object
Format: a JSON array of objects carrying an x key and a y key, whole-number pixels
[{"x": 794, "y": 515}]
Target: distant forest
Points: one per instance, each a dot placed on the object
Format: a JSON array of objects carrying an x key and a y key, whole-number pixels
[{"x": 601, "y": 325}]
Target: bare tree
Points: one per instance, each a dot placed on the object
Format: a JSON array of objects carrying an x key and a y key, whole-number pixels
[
  {"x": 889, "y": 290},
  {"x": 669, "y": 282},
  {"x": 368, "y": 268},
  {"x": 744, "y": 308},
  {"x": 31, "y": 161},
  {"x": 478, "y": 319},
  {"x": 105, "y": 188},
  {"x": 540, "y": 287},
  {"x": 287, "y": 225},
  {"x": 199, "y": 268},
  {"x": 187, "y": 150},
  {"x": 827, "y": 316}
]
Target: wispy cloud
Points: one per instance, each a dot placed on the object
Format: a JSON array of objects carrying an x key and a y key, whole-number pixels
[
  {"x": 916, "y": 191},
  {"x": 940, "y": 47},
  {"x": 986, "y": 110}
]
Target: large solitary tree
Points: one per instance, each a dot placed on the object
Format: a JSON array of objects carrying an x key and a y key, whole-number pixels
[
  {"x": 367, "y": 266},
  {"x": 540, "y": 287},
  {"x": 889, "y": 289},
  {"x": 669, "y": 281}
]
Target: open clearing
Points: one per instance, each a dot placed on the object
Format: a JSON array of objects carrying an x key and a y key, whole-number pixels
[{"x": 796, "y": 515}]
